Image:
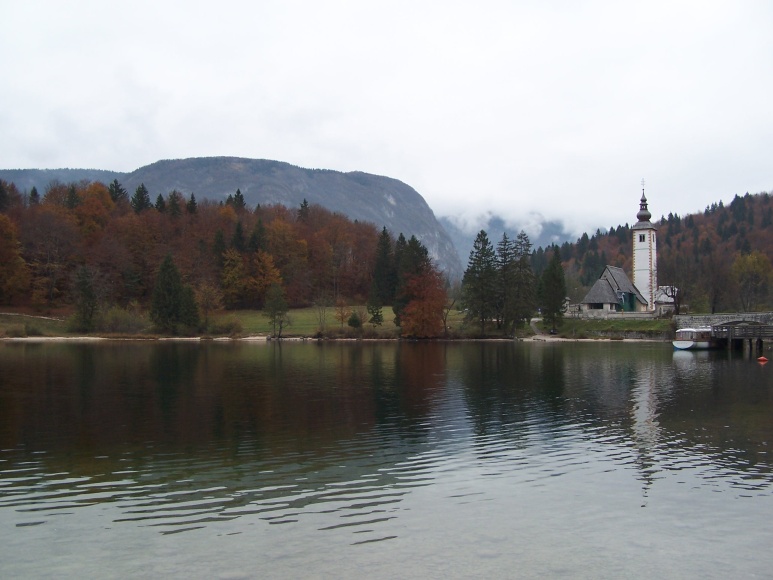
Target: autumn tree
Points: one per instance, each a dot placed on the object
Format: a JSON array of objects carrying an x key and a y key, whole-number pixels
[
  {"x": 752, "y": 272},
  {"x": 14, "y": 274},
  {"x": 209, "y": 298},
  {"x": 423, "y": 316},
  {"x": 276, "y": 309},
  {"x": 412, "y": 260}
]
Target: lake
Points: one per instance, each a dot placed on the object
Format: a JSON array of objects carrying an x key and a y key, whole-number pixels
[{"x": 122, "y": 459}]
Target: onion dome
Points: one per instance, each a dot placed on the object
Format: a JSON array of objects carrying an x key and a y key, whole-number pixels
[{"x": 644, "y": 215}]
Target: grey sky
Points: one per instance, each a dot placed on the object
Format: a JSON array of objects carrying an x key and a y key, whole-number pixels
[{"x": 523, "y": 109}]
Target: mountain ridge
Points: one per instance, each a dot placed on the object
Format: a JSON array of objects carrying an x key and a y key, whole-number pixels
[{"x": 381, "y": 200}]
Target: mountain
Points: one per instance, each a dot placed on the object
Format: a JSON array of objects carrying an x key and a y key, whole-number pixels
[
  {"x": 380, "y": 200},
  {"x": 541, "y": 234}
]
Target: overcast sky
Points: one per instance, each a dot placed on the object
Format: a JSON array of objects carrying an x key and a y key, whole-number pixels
[{"x": 529, "y": 110}]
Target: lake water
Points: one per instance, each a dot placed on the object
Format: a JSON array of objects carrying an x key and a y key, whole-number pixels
[{"x": 383, "y": 460}]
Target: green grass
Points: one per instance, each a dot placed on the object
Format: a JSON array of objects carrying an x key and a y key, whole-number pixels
[
  {"x": 577, "y": 327},
  {"x": 21, "y": 325},
  {"x": 305, "y": 322}
]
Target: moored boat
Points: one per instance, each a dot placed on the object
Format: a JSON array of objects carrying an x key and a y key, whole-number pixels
[{"x": 693, "y": 338}]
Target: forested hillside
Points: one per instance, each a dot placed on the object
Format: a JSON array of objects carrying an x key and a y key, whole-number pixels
[
  {"x": 88, "y": 243},
  {"x": 360, "y": 196},
  {"x": 709, "y": 257}
]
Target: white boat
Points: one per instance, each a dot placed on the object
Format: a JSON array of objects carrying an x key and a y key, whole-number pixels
[{"x": 693, "y": 338}]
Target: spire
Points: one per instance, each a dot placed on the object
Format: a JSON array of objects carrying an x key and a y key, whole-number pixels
[{"x": 644, "y": 215}]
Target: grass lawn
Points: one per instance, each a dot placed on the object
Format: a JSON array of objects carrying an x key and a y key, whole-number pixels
[
  {"x": 16, "y": 325},
  {"x": 305, "y": 322}
]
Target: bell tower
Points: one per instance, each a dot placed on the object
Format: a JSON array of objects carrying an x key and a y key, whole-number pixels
[{"x": 645, "y": 257}]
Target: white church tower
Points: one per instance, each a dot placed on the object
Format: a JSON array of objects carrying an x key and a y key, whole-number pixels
[{"x": 645, "y": 256}]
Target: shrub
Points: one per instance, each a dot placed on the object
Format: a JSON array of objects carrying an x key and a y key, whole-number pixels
[{"x": 230, "y": 327}]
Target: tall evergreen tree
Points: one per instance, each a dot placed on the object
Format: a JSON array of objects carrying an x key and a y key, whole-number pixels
[
  {"x": 160, "y": 204},
  {"x": 479, "y": 282},
  {"x": 72, "y": 200},
  {"x": 238, "y": 201},
  {"x": 505, "y": 290},
  {"x": 553, "y": 291},
  {"x": 303, "y": 211},
  {"x": 191, "y": 206},
  {"x": 524, "y": 282},
  {"x": 141, "y": 199},
  {"x": 175, "y": 199},
  {"x": 237, "y": 241},
  {"x": 384, "y": 283},
  {"x": 34, "y": 196},
  {"x": 257, "y": 239},
  {"x": 117, "y": 192},
  {"x": 173, "y": 303}
]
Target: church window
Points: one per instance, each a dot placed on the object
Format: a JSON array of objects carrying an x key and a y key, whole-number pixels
[{"x": 641, "y": 237}]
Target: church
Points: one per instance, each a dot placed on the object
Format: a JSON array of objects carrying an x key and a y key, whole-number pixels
[{"x": 614, "y": 293}]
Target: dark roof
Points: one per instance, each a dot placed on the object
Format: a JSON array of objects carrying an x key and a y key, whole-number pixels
[{"x": 612, "y": 281}]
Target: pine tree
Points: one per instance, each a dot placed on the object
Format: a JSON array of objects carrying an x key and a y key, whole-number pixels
[
  {"x": 238, "y": 202},
  {"x": 553, "y": 291},
  {"x": 173, "y": 304},
  {"x": 160, "y": 204},
  {"x": 237, "y": 241},
  {"x": 524, "y": 282},
  {"x": 191, "y": 207},
  {"x": 141, "y": 199},
  {"x": 505, "y": 292},
  {"x": 72, "y": 200},
  {"x": 303, "y": 212},
  {"x": 257, "y": 238},
  {"x": 175, "y": 198},
  {"x": 384, "y": 282},
  {"x": 479, "y": 282},
  {"x": 117, "y": 192},
  {"x": 34, "y": 196}
]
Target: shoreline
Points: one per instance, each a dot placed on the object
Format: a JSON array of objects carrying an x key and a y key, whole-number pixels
[{"x": 267, "y": 339}]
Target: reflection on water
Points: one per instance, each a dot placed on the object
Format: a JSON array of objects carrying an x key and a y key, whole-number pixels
[{"x": 442, "y": 454}]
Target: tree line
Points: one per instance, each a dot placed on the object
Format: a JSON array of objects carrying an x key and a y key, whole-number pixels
[
  {"x": 95, "y": 247},
  {"x": 715, "y": 261}
]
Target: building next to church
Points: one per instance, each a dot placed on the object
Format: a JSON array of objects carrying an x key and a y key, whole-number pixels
[{"x": 613, "y": 293}]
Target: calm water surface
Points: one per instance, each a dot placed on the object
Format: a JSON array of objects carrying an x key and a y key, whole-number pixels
[{"x": 383, "y": 460}]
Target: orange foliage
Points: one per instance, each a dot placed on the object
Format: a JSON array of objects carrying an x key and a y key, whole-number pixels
[{"x": 423, "y": 316}]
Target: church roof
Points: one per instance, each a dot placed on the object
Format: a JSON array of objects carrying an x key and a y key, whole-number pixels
[{"x": 607, "y": 288}]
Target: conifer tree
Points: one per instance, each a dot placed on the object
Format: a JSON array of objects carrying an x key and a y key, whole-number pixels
[
  {"x": 384, "y": 282},
  {"x": 191, "y": 207},
  {"x": 141, "y": 199},
  {"x": 72, "y": 200},
  {"x": 160, "y": 204},
  {"x": 117, "y": 192},
  {"x": 34, "y": 196},
  {"x": 238, "y": 202},
  {"x": 173, "y": 304},
  {"x": 553, "y": 291},
  {"x": 479, "y": 282},
  {"x": 237, "y": 241},
  {"x": 257, "y": 239}
]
